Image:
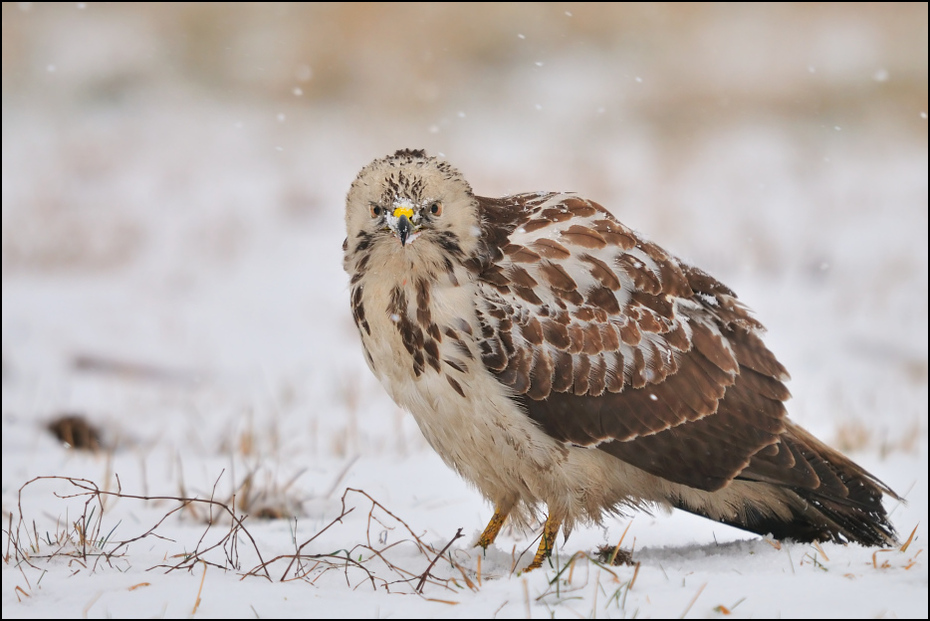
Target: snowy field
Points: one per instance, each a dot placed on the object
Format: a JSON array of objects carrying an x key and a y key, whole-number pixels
[{"x": 173, "y": 190}]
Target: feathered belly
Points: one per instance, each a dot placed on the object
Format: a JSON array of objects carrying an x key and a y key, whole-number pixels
[
  {"x": 464, "y": 414},
  {"x": 429, "y": 362}
]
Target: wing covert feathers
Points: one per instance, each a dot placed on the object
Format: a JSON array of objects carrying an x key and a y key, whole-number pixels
[{"x": 607, "y": 341}]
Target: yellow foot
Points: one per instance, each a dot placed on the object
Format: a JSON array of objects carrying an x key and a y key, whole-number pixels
[
  {"x": 547, "y": 542},
  {"x": 494, "y": 527}
]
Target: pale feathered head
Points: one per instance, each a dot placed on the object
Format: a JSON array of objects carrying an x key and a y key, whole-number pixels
[{"x": 412, "y": 204}]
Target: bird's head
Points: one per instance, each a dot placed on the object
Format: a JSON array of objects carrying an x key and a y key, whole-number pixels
[{"x": 411, "y": 203}]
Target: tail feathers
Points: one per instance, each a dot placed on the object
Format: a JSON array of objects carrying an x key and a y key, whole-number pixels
[
  {"x": 806, "y": 491},
  {"x": 810, "y": 518}
]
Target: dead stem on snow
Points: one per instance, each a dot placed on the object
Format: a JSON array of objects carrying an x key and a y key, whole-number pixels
[{"x": 85, "y": 541}]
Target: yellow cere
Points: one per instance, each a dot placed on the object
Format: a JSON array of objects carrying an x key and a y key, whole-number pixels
[{"x": 403, "y": 211}]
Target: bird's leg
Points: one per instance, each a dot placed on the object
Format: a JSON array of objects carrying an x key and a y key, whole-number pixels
[
  {"x": 549, "y": 534},
  {"x": 494, "y": 527}
]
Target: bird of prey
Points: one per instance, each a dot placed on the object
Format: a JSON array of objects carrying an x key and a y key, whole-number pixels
[{"x": 554, "y": 357}]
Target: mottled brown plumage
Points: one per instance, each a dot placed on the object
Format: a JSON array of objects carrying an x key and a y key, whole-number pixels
[{"x": 553, "y": 356}]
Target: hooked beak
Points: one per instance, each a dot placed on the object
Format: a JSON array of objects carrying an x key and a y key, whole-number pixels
[
  {"x": 404, "y": 227},
  {"x": 401, "y": 224}
]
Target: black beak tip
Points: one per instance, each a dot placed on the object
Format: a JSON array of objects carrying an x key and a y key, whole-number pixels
[{"x": 403, "y": 229}]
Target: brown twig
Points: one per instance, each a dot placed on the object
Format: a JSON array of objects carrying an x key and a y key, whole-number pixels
[
  {"x": 458, "y": 535},
  {"x": 358, "y": 556},
  {"x": 87, "y": 543},
  {"x": 86, "y": 531}
]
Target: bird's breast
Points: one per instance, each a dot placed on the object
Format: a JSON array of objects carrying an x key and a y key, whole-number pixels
[
  {"x": 422, "y": 343},
  {"x": 417, "y": 326}
]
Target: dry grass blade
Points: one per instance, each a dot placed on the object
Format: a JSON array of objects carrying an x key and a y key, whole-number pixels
[
  {"x": 200, "y": 590},
  {"x": 906, "y": 544},
  {"x": 820, "y": 549},
  {"x": 613, "y": 556},
  {"x": 885, "y": 564},
  {"x": 633, "y": 579},
  {"x": 526, "y": 597},
  {"x": 693, "y": 599}
]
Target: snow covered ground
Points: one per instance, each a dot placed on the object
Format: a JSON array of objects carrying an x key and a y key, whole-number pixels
[{"x": 172, "y": 273}]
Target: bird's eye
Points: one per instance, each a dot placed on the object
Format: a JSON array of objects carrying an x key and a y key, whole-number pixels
[
  {"x": 375, "y": 211},
  {"x": 436, "y": 209}
]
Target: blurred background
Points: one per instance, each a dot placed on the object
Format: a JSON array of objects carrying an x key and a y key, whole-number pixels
[{"x": 174, "y": 179}]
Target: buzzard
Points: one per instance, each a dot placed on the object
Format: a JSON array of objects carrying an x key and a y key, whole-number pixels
[{"x": 552, "y": 356}]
